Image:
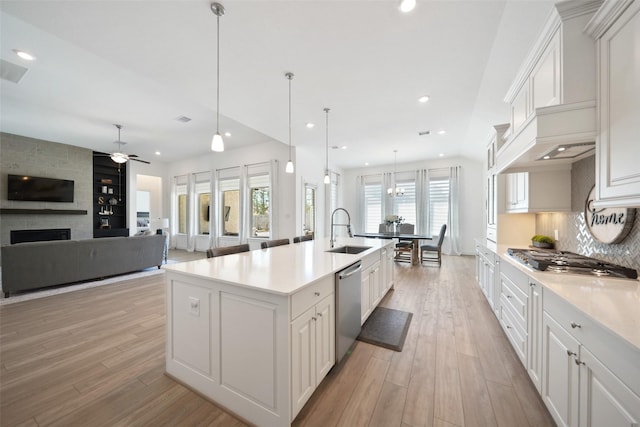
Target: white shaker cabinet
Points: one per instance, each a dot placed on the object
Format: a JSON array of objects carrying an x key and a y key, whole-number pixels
[
  {"x": 539, "y": 191},
  {"x": 617, "y": 29},
  {"x": 534, "y": 334},
  {"x": 590, "y": 377},
  {"x": 312, "y": 350},
  {"x": 371, "y": 293}
]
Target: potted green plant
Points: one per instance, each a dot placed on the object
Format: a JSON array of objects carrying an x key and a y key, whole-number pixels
[{"x": 541, "y": 241}]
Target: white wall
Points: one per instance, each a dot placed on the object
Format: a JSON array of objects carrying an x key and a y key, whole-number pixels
[{"x": 471, "y": 194}]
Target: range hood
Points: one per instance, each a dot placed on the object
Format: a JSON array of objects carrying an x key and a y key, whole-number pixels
[
  {"x": 553, "y": 97},
  {"x": 553, "y": 135}
]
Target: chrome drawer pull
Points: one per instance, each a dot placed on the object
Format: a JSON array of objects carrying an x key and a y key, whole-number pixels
[
  {"x": 317, "y": 294},
  {"x": 575, "y": 325},
  {"x": 571, "y": 353},
  {"x": 579, "y": 362}
]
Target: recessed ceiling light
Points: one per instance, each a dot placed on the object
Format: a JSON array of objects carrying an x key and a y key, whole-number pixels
[
  {"x": 423, "y": 98},
  {"x": 441, "y": 154},
  {"x": 24, "y": 55},
  {"x": 310, "y": 125},
  {"x": 366, "y": 163},
  {"x": 158, "y": 153},
  {"x": 442, "y": 132},
  {"x": 344, "y": 147},
  {"x": 561, "y": 148},
  {"x": 546, "y": 157},
  {"x": 407, "y": 5},
  {"x": 227, "y": 134}
]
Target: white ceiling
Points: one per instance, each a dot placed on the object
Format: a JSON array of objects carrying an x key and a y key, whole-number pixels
[{"x": 144, "y": 63}]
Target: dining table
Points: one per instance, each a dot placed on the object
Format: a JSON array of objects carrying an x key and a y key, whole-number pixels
[{"x": 415, "y": 239}]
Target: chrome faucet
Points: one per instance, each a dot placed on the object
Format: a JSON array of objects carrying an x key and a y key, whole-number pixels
[{"x": 333, "y": 240}]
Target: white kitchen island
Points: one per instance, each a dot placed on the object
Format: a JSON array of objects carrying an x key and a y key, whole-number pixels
[{"x": 255, "y": 332}]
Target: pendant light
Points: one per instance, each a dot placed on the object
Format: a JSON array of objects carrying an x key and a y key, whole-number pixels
[
  {"x": 289, "y": 167},
  {"x": 395, "y": 191},
  {"x": 327, "y": 178},
  {"x": 217, "y": 144}
]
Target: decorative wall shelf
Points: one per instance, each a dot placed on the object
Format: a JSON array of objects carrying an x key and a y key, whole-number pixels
[{"x": 9, "y": 211}]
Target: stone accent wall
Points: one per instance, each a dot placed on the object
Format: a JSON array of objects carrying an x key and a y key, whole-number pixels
[
  {"x": 574, "y": 235},
  {"x": 20, "y": 155}
]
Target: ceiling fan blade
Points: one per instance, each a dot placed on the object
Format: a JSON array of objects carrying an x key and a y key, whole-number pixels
[{"x": 138, "y": 160}]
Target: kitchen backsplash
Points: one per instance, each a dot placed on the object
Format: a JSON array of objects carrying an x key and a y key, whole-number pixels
[{"x": 573, "y": 234}]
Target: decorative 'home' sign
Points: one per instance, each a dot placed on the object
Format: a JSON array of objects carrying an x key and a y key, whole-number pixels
[{"x": 607, "y": 225}]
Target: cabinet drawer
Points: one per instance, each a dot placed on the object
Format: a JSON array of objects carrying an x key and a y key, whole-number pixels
[
  {"x": 515, "y": 276},
  {"x": 616, "y": 354},
  {"x": 515, "y": 332},
  {"x": 309, "y": 296},
  {"x": 370, "y": 259},
  {"x": 516, "y": 299}
]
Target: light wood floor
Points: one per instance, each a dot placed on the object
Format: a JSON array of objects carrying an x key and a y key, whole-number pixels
[{"x": 96, "y": 358}]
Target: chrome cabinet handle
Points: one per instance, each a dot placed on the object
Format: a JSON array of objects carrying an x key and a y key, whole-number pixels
[
  {"x": 579, "y": 362},
  {"x": 531, "y": 284},
  {"x": 508, "y": 296},
  {"x": 571, "y": 353},
  {"x": 319, "y": 314},
  {"x": 317, "y": 294},
  {"x": 575, "y": 325},
  {"x": 314, "y": 318}
]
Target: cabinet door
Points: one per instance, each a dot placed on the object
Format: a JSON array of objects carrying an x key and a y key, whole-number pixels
[
  {"x": 376, "y": 287},
  {"x": 325, "y": 337},
  {"x": 560, "y": 373},
  {"x": 488, "y": 286},
  {"x": 365, "y": 294},
  {"x": 617, "y": 151},
  {"x": 388, "y": 281},
  {"x": 517, "y": 191},
  {"x": 303, "y": 358},
  {"x": 534, "y": 334},
  {"x": 604, "y": 399}
]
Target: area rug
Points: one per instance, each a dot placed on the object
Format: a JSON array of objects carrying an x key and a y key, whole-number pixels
[{"x": 386, "y": 328}]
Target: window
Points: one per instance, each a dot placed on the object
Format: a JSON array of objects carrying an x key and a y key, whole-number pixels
[
  {"x": 230, "y": 206},
  {"x": 405, "y": 206},
  {"x": 438, "y": 203},
  {"x": 181, "y": 203},
  {"x": 260, "y": 200},
  {"x": 372, "y": 206},
  {"x": 203, "y": 200},
  {"x": 309, "y": 214}
]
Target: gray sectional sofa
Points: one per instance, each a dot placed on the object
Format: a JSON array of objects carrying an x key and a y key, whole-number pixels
[{"x": 41, "y": 264}]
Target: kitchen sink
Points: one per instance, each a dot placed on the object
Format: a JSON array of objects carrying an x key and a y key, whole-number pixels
[{"x": 349, "y": 249}]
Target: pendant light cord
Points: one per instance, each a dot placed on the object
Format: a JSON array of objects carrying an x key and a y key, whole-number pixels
[
  {"x": 290, "y": 77},
  {"x": 326, "y": 110},
  {"x": 218, "y": 75}
]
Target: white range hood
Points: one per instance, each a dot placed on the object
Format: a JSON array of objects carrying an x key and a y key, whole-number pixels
[
  {"x": 553, "y": 97},
  {"x": 553, "y": 135}
]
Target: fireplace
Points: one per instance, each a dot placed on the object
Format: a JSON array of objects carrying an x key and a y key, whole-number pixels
[{"x": 21, "y": 236}]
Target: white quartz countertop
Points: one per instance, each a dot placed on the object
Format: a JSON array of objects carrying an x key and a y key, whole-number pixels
[
  {"x": 612, "y": 302},
  {"x": 280, "y": 270}
]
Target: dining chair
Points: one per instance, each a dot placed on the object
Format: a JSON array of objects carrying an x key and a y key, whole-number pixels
[
  {"x": 304, "y": 238},
  {"x": 433, "y": 252},
  {"x": 404, "y": 248},
  {"x": 273, "y": 243},
  {"x": 227, "y": 250}
]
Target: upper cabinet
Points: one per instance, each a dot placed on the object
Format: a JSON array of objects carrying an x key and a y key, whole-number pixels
[
  {"x": 616, "y": 28},
  {"x": 552, "y": 98},
  {"x": 538, "y": 191}
]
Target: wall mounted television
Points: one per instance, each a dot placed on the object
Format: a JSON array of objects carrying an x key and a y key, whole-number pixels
[{"x": 37, "y": 189}]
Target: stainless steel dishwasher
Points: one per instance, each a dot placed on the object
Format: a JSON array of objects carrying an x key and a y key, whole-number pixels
[{"x": 348, "y": 306}]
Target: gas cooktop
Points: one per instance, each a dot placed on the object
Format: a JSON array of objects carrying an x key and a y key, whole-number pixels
[{"x": 568, "y": 262}]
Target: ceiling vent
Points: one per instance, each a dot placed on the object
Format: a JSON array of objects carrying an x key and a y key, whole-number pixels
[
  {"x": 12, "y": 72},
  {"x": 183, "y": 119},
  {"x": 424, "y": 132}
]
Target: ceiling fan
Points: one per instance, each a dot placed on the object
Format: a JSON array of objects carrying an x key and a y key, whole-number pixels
[{"x": 119, "y": 156}]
